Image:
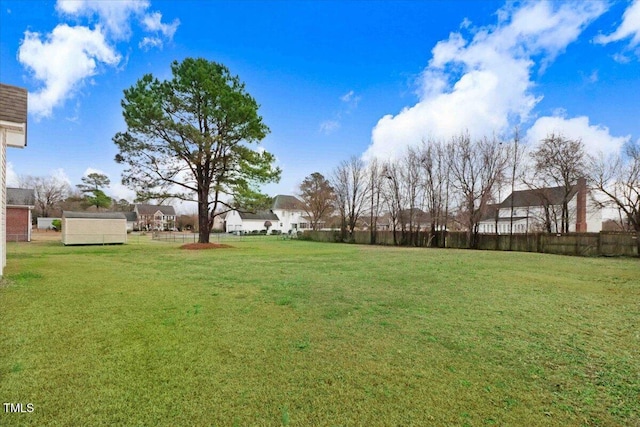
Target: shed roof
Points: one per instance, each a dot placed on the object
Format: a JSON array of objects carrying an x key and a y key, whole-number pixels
[
  {"x": 94, "y": 215},
  {"x": 265, "y": 215},
  {"x": 287, "y": 203},
  {"x": 21, "y": 197},
  {"x": 145, "y": 209}
]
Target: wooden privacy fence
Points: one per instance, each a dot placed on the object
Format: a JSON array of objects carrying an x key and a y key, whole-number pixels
[{"x": 582, "y": 244}]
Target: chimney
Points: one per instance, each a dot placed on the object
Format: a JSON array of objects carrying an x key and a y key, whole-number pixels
[{"x": 581, "y": 210}]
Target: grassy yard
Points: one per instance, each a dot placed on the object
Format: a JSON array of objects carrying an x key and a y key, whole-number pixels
[{"x": 297, "y": 333}]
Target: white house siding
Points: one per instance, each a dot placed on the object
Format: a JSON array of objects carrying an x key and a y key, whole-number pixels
[
  {"x": 13, "y": 133},
  {"x": 3, "y": 201},
  {"x": 291, "y": 220},
  {"x": 233, "y": 221}
]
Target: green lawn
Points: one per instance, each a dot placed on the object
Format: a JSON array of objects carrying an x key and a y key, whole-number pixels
[{"x": 298, "y": 333}]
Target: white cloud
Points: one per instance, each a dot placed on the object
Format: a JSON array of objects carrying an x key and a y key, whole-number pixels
[
  {"x": 61, "y": 175},
  {"x": 596, "y": 139},
  {"x": 12, "y": 176},
  {"x": 630, "y": 27},
  {"x": 153, "y": 22},
  {"x": 61, "y": 61},
  {"x": 150, "y": 42},
  {"x": 329, "y": 126},
  {"x": 351, "y": 100},
  {"x": 483, "y": 85},
  {"x": 114, "y": 16}
]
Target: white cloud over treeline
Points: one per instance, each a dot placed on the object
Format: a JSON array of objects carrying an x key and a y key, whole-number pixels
[
  {"x": 61, "y": 61},
  {"x": 482, "y": 80}
]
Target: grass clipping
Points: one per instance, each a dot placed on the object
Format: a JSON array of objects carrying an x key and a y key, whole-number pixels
[{"x": 199, "y": 246}]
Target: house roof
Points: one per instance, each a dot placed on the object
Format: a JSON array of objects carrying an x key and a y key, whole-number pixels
[
  {"x": 261, "y": 215},
  {"x": 490, "y": 212},
  {"x": 417, "y": 214},
  {"x": 131, "y": 216},
  {"x": 93, "y": 215},
  {"x": 537, "y": 197},
  {"x": 285, "y": 202},
  {"x": 144, "y": 209},
  {"x": 13, "y": 104},
  {"x": 20, "y": 197}
]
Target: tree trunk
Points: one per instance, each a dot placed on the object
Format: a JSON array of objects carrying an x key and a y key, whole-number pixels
[{"x": 204, "y": 227}]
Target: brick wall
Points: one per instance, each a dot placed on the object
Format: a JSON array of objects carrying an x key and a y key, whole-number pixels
[{"x": 18, "y": 224}]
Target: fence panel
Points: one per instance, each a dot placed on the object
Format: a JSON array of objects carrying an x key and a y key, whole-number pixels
[{"x": 582, "y": 244}]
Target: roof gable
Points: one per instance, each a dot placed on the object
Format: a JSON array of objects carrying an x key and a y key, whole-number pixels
[
  {"x": 144, "y": 209},
  {"x": 284, "y": 202}
]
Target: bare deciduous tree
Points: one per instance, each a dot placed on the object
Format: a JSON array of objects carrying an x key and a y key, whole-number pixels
[
  {"x": 410, "y": 172},
  {"x": 49, "y": 192},
  {"x": 349, "y": 183},
  {"x": 317, "y": 195},
  {"x": 559, "y": 161},
  {"x": 618, "y": 180},
  {"x": 374, "y": 189},
  {"x": 392, "y": 195},
  {"x": 435, "y": 181},
  {"x": 475, "y": 169}
]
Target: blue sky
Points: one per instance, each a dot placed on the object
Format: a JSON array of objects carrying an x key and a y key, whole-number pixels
[{"x": 333, "y": 78}]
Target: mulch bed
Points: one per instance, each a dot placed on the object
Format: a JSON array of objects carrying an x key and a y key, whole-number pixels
[{"x": 198, "y": 246}]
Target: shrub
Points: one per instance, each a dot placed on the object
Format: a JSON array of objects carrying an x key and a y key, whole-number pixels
[{"x": 56, "y": 224}]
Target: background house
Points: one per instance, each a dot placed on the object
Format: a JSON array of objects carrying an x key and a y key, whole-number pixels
[
  {"x": 534, "y": 209},
  {"x": 286, "y": 215},
  {"x": 154, "y": 217},
  {"x": 132, "y": 218},
  {"x": 291, "y": 213},
  {"x": 20, "y": 202},
  {"x": 13, "y": 133}
]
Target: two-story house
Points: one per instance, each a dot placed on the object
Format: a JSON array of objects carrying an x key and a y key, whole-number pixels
[
  {"x": 539, "y": 210},
  {"x": 154, "y": 217}
]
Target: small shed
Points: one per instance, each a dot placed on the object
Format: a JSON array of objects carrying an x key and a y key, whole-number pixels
[
  {"x": 93, "y": 228},
  {"x": 20, "y": 201}
]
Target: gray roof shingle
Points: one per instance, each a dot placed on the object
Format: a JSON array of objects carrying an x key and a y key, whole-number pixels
[
  {"x": 13, "y": 104},
  {"x": 537, "y": 197},
  {"x": 144, "y": 209},
  {"x": 287, "y": 203},
  {"x": 261, "y": 215},
  {"x": 20, "y": 197},
  {"x": 93, "y": 215}
]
